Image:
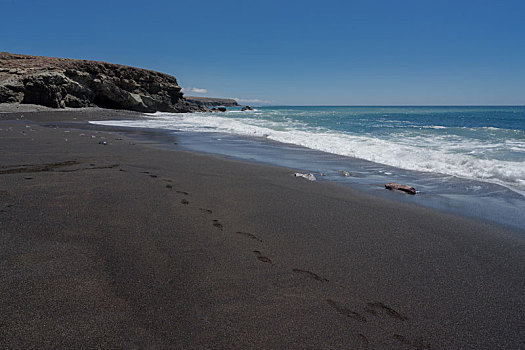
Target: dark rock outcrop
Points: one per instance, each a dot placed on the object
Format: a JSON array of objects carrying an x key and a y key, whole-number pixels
[
  {"x": 218, "y": 109},
  {"x": 212, "y": 101},
  {"x": 246, "y": 108},
  {"x": 59, "y": 83}
]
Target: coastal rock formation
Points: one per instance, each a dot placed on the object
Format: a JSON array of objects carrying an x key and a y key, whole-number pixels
[
  {"x": 212, "y": 101},
  {"x": 59, "y": 83},
  {"x": 247, "y": 108},
  {"x": 398, "y": 187}
]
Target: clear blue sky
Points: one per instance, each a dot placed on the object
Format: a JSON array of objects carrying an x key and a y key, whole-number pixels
[{"x": 460, "y": 52}]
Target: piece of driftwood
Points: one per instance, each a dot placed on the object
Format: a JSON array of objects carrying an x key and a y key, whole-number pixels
[{"x": 399, "y": 187}]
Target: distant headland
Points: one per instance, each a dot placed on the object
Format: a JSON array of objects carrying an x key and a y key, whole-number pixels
[
  {"x": 60, "y": 82},
  {"x": 212, "y": 101}
]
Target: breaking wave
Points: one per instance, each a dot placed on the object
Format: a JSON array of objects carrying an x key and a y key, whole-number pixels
[{"x": 435, "y": 149}]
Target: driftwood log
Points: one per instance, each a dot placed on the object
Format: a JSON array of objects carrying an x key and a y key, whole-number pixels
[{"x": 398, "y": 187}]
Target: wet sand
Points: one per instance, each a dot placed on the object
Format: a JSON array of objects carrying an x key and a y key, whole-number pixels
[{"x": 129, "y": 244}]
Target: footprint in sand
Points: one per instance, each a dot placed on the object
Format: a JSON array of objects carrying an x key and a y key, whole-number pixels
[
  {"x": 217, "y": 224},
  {"x": 185, "y": 201},
  {"x": 37, "y": 168},
  {"x": 310, "y": 274},
  {"x": 261, "y": 257},
  {"x": 168, "y": 185},
  {"x": 153, "y": 176},
  {"x": 378, "y": 307},
  {"x": 344, "y": 311},
  {"x": 183, "y": 192},
  {"x": 249, "y": 235},
  {"x": 206, "y": 210}
]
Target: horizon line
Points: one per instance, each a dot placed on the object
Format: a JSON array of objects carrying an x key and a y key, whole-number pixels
[{"x": 285, "y": 105}]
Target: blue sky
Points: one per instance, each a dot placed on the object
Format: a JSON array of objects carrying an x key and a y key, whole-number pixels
[{"x": 460, "y": 52}]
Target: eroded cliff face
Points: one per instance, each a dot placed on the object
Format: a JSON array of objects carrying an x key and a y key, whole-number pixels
[{"x": 59, "y": 83}]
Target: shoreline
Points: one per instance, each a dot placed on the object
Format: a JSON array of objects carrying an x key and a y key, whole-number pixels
[
  {"x": 163, "y": 138},
  {"x": 476, "y": 199},
  {"x": 475, "y": 208},
  {"x": 365, "y": 178},
  {"x": 152, "y": 247}
]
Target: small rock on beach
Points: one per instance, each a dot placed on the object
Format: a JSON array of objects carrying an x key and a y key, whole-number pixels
[{"x": 307, "y": 176}]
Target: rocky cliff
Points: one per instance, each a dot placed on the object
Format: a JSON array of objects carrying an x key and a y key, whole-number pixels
[
  {"x": 59, "y": 83},
  {"x": 212, "y": 101}
]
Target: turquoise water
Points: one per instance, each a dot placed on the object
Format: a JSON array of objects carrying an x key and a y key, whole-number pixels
[{"x": 459, "y": 154}]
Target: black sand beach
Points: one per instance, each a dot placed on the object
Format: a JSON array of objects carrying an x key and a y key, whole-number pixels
[{"x": 129, "y": 244}]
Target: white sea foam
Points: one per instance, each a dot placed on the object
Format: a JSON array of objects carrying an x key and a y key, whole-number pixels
[
  {"x": 432, "y": 127},
  {"x": 444, "y": 154}
]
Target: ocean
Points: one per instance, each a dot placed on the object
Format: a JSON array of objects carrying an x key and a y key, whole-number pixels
[{"x": 467, "y": 160}]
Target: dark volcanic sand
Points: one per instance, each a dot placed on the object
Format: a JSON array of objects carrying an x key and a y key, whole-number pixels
[{"x": 130, "y": 245}]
